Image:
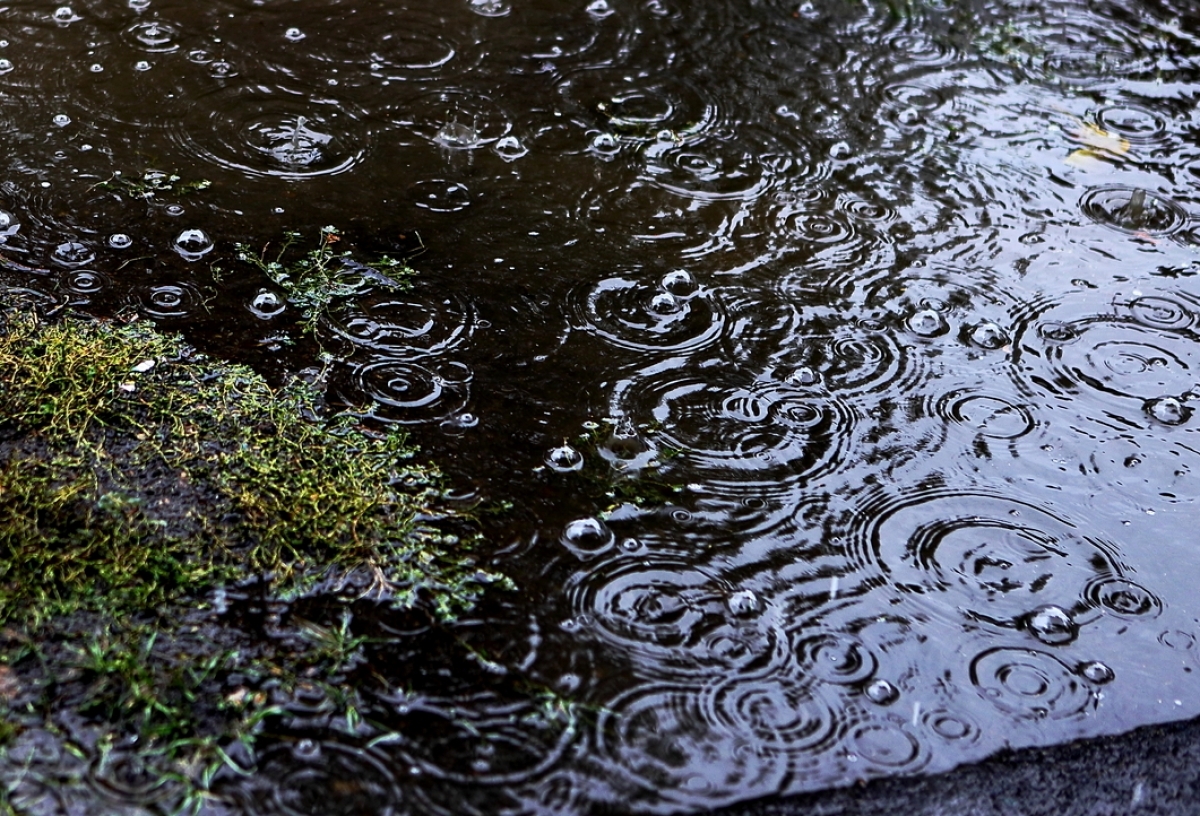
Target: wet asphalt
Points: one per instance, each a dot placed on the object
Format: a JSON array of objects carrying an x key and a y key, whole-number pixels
[{"x": 1153, "y": 771}]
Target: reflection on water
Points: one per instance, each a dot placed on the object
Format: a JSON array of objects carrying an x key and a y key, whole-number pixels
[{"x": 897, "y": 297}]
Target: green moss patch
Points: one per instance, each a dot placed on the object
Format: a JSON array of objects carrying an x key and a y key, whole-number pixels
[
  {"x": 135, "y": 472},
  {"x": 142, "y": 488}
]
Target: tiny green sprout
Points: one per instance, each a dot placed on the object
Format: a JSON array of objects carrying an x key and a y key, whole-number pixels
[{"x": 321, "y": 280}]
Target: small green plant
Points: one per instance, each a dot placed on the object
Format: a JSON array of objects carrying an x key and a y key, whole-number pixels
[
  {"x": 318, "y": 280},
  {"x": 150, "y": 184}
]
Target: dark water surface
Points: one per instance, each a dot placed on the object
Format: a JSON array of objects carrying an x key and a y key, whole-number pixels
[{"x": 900, "y": 296}]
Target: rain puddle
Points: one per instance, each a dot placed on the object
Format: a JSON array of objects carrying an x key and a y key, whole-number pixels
[{"x": 833, "y": 366}]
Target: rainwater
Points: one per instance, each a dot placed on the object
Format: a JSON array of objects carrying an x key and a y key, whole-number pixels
[{"x": 834, "y": 362}]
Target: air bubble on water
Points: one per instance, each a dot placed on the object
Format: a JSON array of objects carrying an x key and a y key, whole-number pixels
[
  {"x": 803, "y": 376},
  {"x": 139, "y": 5},
  {"x": 599, "y": 8},
  {"x": 928, "y": 323},
  {"x": 1169, "y": 410},
  {"x": 989, "y": 336},
  {"x": 587, "y": 536},
  {"x": 141, "y": 65},
  {"x": 881, "y": 692},
  {"x": 1096, "y": 672},
  {"x": 8, "y": 223},
  {"x": 564, "y": 459},
  {"x": 1052, "y": 625},
  {"x": 119, "y": 240},
  {"x": 95, "y": 67},
  {"x": 5, "y": 66},
  {"x": 744, "y": 603},
  {"x": 679, "y": 283},
  {"x": 72, "y": 254},
  {"x": 490, "y": 8},
  {"x": 61, "y": 119},
  {"x": 266, "y": 304},
  {"x": 65, "y": 14},
  {"x": 510, "y": 148},
  {"x": 605, "y": 144},
  {"x": 665, "y": 304},
  {"x": 294, "y": 34},
  {"x": 193, "y": 244},
  {"x": 840, "y": 151},
  {"x": 174, "y": 210},
  {"x": 460, "y": 422}
]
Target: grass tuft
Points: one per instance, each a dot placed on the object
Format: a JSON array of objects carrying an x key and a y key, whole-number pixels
[{"x": 135, "y": 473}]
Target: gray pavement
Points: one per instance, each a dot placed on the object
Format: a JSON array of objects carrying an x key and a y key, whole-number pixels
[{"x": 1153, "y": 771}]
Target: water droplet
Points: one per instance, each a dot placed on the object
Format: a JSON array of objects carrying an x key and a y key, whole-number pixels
[
  {"x": 803, "y": 376},
  {"x": 1123, "y": 597},
  {"x": 510, "y": 148},
  {"x": 679, "y": 283},
  {"x": 881, "y": 692},
  {"x": 744, "y": 603},
  {"x": 460, "y": 422},
  {"x": 458, "y": 134},
  {"x": 294, "y": 35},
  {"x": 837, "y": 658},
  {"x": 84, "y": 282},
  {"x": 61, "y": 119},
  {"x": 989, "y": 336},
  {"x": 72, "y": 253},
  {"x": 266, "y": 304},
  {"x": 1133, "y": 210},
  {"x": 665, "y": 304},
  {"x": 587, "y": 536},
  {"x": 840, "y": 151},
  {"x": 193, "y": 244},
  {"x": 119, "y": 240},
  {"x": 605, "y": 144},
  {"x": 1096, "y": 672},
  {"x": 1052, "y": 625},
  {"x": 490, "y": 8},
  {"x": 6, "y": 65},
  {"x": 8, "y": 223},
  {"x": 564, "y": 459},
  {"x": 928, "y": 323},
  {"x": 1058, "y": 332},
  {"x": 1169, "y": 410}
]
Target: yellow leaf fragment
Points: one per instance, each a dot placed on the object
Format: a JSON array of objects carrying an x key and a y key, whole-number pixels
[{"x": 1097, "y": 139}]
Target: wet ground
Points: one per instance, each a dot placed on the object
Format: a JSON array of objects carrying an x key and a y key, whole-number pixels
[{"x": 835, "y": 361}]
